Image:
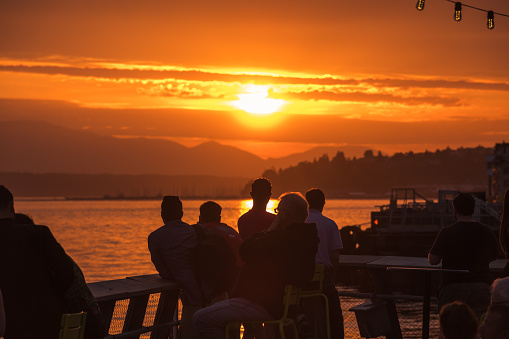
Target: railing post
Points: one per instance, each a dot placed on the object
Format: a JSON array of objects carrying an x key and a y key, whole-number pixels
[
  {"x": 107, "y": 308},
  {"x": 136, "y": 313},
  {"x": 168, "y": 302}
]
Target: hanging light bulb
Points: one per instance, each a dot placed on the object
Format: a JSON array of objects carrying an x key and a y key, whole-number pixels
[
  {"x": 457, "y": 11},
  {"x": 420, "y": 5},
  {"x": 491, "y": 20}
]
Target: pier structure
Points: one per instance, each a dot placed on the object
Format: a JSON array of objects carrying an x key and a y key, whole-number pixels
[{"x": 382, "y": 296}]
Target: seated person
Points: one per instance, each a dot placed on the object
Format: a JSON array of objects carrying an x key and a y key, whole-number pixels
[
  {"x": 210, "y": 218},
  {"x": 283, "y": 254}
]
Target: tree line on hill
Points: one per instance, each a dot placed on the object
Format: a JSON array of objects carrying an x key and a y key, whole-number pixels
[{"x": 374, "y": 175}]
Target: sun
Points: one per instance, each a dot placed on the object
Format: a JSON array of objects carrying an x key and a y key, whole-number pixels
[{"x": 255, "y": 100}]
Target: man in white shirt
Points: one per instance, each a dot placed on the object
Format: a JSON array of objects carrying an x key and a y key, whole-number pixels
[{"x": 328, "y": 255}]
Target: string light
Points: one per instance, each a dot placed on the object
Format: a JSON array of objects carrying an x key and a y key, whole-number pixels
[
  {"x": 420, "y": 5},
  {"x": 491, "y": 20},
  {"x": 457, "y": 11}
]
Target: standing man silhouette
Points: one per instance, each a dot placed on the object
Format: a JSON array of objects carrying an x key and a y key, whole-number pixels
[
  {"x": 328, "y": 255},
  {"x": 257, "y": 219}
]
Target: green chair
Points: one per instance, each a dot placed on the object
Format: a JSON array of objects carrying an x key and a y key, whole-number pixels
[
  {"x": 73, "y": 325},
  {"x": 291, "y": 298},
  {"x": 317, "y": 281}
]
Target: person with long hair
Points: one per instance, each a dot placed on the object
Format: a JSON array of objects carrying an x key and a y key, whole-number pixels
[{"x": 504, "y": 233}]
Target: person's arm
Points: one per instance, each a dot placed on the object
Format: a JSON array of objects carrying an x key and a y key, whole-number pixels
[
  {"x": 436, "y": 252},
  {"x": 158, "y": 261},
  {"x": 60, "y": 264},
  {"x": 434, "y": 259}
]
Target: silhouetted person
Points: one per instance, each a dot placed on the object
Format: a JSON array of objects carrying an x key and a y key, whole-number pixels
[
  {"x": 210, "y": 218},
  {"x": 465, "y": 245},
  {"x": 283, "y": 254},
  {"x": 496, "y": 322},
  {"x": 504, "y": 233},
  {"x": 171, "y": 252},
  {"x": 257, "y": 219},
  {"x": 328, "y": 255},
  {"x": 458, "y": 321},
  {"x": 78, "y": 297},
  {"x": 35, "y": 271}
]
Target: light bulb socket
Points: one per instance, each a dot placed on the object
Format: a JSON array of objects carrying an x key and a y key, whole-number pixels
[
  {"x": 491, "y": 20},
  {"x": 457, "y": 11},
  {"x": 420, "y": 5}
]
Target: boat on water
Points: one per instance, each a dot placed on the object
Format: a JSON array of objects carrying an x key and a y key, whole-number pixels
[{"x": 408, "y": 225}]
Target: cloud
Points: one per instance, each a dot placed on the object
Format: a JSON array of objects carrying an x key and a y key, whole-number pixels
[
  {"x": 162, "y": 73},
  {"x": 376, "y": 98}
]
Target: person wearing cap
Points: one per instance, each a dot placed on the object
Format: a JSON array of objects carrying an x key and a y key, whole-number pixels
[
  {"x": 465, "y": 245},
  {"x": 170, "y": 249},
  {"x": 257, "y": 219}
]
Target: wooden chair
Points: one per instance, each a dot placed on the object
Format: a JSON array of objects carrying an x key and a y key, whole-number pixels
[
  {"x": 317, "y": 281},
  {"x": 291, "y": 298},
  {"x": 73, "y": 325}
]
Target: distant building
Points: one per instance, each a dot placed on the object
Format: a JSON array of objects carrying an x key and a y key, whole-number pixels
[{"x": 498, "y": 171}]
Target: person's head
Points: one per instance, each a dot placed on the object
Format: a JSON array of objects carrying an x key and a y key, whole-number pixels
[
  {"x": 500, "y": 291},
  {"x": 171, "y": 208},
  {"x": 496, "y": 322},
  {"x": 261, "y": 190},
  {"x": 458, "y": 321},
  {"x": 464, "y": 204},
  {"x": 6, "y": 203},
  {"x": 23, "y": 219},
  {"x": 292, "y": 208},
  {"x": 210, "y": 212},
  {"x": 315, "y": 199}
]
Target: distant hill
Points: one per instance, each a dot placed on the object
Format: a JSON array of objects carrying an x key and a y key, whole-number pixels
[
  {"x": 41, "y": 147},
  {"x": 462, "y": 169}
]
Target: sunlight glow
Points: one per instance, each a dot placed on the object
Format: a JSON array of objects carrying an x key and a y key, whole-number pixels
[
  {"x": 246, "y": 205},
  {"x": 256, "y": 100}
]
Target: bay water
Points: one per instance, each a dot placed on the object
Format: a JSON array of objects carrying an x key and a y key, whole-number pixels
[{"x": 108, "y": 238}]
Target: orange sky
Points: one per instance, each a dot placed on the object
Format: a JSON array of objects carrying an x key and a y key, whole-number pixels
[{"x": 374, "y": 73}]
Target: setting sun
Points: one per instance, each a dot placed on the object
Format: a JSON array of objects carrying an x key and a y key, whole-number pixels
[{"x": 256, "y": 100}]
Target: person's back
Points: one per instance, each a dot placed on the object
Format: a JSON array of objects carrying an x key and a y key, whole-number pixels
[
  {"x": 275, "y": 259},
  {"x": 171, "y": 249},
  {"x": 34, "y": 272},
  {"x": 465, "y": 245},
  {"x": 257, "y": 219},
  {"x": 77, "y": 297},
  {"x": 210, "y": 218},
  {"x": 231, "y": 236}
]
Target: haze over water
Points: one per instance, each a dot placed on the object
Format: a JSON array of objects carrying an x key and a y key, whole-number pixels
[{"x": 108, "y": 239}]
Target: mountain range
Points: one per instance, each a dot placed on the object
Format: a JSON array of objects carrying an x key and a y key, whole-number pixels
[{"x": 41, "y": 147}]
